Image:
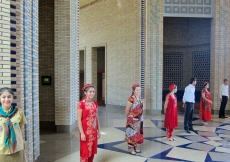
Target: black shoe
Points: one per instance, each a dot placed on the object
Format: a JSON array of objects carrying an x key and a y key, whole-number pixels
[
  {"x": 225, "y": 117},
  {"x": 221, "y": 117},
  {"x": 187, "y": 131},
  {"x": 191, "y": 129}
]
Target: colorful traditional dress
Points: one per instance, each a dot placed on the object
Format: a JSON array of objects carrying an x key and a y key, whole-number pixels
[
  {"x": 134, "y": 124},
  {"x": 171, "y": 117},
  {"x": 90, "y": 128},
  {"x": 205, "y": 106}
]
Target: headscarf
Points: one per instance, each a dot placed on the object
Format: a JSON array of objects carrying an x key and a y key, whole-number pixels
[
  {"x": 86, "y": 85},
  {"x": 171, "y": 87},
  {"x": 133, "y": 87},
  {"x": 205, "y": 83}
]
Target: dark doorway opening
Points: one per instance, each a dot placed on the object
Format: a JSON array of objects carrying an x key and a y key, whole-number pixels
[
  {"x": 101, "y": 75},
  {"x": 81, "y": 72}
]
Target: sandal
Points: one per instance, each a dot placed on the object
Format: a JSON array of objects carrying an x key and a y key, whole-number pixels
[
  {"x": 138, "y": 151},
  {"x": 174, "y": 139},
  {"x": 170, "y": 139}
]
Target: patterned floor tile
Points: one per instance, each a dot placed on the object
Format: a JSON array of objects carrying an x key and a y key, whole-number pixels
[{"x": 187, "y": 154}]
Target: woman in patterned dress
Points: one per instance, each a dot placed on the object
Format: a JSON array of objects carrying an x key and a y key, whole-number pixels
[
  {"x": 170, "y": 110},
  {"x": 134, "y": 124},
  {"x": 205, "y": 105},
  {"x": 88, "y": 124}
]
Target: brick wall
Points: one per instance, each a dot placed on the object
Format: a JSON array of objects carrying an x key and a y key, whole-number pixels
[
  {"x": 66, "y": 61},
  {"x": 5, "y": 57},
  {"x": 115, "y": 25},
  {"x": 46, "y": 59}
]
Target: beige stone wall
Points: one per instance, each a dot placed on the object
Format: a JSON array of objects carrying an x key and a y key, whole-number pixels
[
  {"x": 115, "y": 25},
  {"x": 46, "y": 59},
  {"x": 5, "y": 56}
]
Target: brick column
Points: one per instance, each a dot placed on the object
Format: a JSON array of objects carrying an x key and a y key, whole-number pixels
[
  {"x": 219, "y": 49},
  {"x": 5, "y": 57},
  {"x": 66, "y": 61},
  {"x": 19, "y": 62},
  {"x": 91, "y": 67},
  {"x": 154, "y": 55}
]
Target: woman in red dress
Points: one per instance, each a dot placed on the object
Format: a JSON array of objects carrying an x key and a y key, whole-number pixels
[
  {"x": 170, "y": 110},
  {"x": 88, "y": 124},
  {"x": 134, "y": 124},
  {"x": 205, "y": 105}
]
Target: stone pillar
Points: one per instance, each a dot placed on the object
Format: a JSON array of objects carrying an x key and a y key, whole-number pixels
[
  {"x": 19, "y": 62},
  {"x": 91, "y": 67},
  {"x": 154, "y": 55},
  {"x": 219, "y": 50},
  {"x": 66, "y": 61}
]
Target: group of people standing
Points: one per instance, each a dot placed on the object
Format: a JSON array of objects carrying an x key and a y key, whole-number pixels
[
  {"x": 12, "y": 119},
  {"x": 89, "y": 125}
]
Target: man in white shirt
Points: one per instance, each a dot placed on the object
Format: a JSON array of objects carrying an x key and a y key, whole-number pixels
[
  {"x": 224, "y": 95},
  {"x": 189, "y": 101}
]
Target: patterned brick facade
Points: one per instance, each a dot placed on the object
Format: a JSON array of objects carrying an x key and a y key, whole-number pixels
[
  {"x": 220, "y": 49},
  {"x": 66, "y": 60}
]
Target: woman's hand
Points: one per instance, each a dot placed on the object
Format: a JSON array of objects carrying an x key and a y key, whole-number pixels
[
  {"x": 98, "y": 134},
  {"x": 83, "y": 138}
]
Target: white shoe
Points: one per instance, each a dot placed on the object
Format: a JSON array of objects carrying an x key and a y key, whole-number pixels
[{"x": 204, "y": 123}]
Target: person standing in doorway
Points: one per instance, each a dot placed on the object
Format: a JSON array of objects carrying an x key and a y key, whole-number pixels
[
  {"x": 88, "y": 124},
  {"x": 224, "y": 95},
  {"x": 134, "y": 124},
  {"x": 188, "y": 104},
  {"x": 170, "y": 110}
]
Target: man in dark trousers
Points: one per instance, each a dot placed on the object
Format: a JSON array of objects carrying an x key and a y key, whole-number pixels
[
  {"x": 189, "y": 101},
  {"x": 224, "y": 95}
]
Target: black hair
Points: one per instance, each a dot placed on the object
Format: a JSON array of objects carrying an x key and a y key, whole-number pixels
[
  {"x": 6, "y": 89},
  {"x": 225, "y": 80},
  {"x": 206, "y": 84},
  {"x": 192, "y": 80},
  {"x": 175, "y": 86}
]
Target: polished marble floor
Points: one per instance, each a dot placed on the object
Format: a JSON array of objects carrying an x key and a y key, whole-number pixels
[{"x": 206, "y": 144}]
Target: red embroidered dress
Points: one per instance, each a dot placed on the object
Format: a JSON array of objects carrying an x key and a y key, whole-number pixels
[
  {"x": 205, "y": 106},
  {"x": 171, "y": 117},
  {"x": 90, "y": 128}
]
